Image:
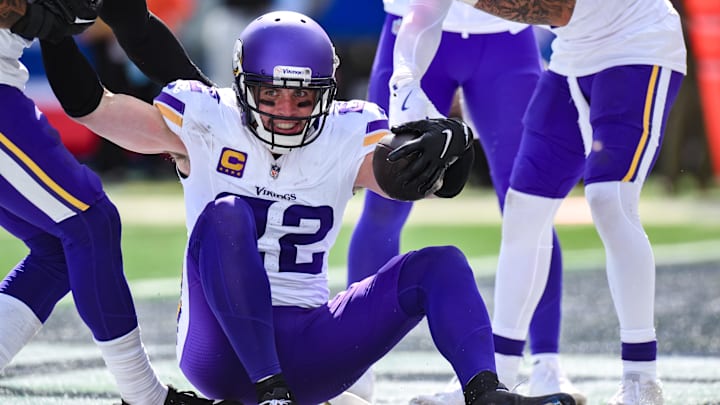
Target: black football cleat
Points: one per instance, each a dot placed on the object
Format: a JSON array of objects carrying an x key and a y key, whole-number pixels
[
  {"x": 274, "y": 391},
  {"x": 175, "y": 397},
  {"x": 279, "y": 396},
  {"x": 502, "y": 397},
  {"x": 485, "y": 389}
]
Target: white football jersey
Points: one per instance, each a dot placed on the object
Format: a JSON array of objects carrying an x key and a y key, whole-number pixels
[
  {"x": 606, "y": 33},
  {"x": 299, "y": 199},
  {"x": 12, "y": 46},
  {"x": 461, "y": 18}
]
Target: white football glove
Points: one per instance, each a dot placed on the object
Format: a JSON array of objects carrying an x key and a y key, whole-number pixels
[{"x": 408, "y": 102}]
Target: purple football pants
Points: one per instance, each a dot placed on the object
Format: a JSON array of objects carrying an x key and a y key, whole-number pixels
[
  {"x": 58, "y": 208},
  {"x": 498, "y": 73},
  {"x": 235, "y": 337},
  {"x": 628, "y": 108}
]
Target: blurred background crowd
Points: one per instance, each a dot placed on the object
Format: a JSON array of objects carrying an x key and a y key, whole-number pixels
[{"x": 208, "y": 29}]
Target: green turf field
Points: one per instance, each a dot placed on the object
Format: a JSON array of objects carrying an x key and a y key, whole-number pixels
[{"x": 154, "y": 234}]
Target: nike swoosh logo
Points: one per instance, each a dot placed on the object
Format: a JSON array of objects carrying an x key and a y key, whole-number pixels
[
  {"x": 79, "y": 20},
  {"x": 404, "y": 106},
  {"x": 448, "y": 137}
]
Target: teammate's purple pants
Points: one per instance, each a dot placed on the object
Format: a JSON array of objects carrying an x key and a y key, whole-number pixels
[
  {"x": 497, "y": 73},
  {"x": 58, "y": 208},
  {"x": 627, "y": 129},
  {"x": 235, "y": 336}
]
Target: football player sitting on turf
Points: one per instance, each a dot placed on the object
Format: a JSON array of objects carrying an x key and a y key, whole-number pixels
[{"x": 267, "y": 169}]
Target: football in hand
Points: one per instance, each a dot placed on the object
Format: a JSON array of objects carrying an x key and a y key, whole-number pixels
[{"x": 386, "y": 172}]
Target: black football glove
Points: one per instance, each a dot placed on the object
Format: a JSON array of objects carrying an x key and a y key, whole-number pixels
[
  {"x": 52, "y": 20},
  {"x": 456, "y": 175},
  {"x": 440, "y": 143}
]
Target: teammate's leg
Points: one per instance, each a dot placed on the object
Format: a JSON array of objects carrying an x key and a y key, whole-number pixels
[
  {"x": 45, "y": 186},
  {"x": 626, "y": 142},
  {"x": 22, "y": 309},
  {"x": 496, "y": 97},
  {"x": 548, "y": 165}
]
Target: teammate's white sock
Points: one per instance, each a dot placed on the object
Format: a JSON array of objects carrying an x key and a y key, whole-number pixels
[
  {"x": 547, "y": 358},
  {"x": 19, "y": 325},
  {"x": 128, "y": 362},
  {"x": 507, "y": 368},
  {"x": 646, "y": 369}
]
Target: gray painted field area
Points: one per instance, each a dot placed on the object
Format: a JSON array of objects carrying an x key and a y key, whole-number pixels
[{"x": 61, "y": 366}]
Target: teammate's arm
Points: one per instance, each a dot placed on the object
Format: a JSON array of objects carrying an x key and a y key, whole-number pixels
[
  {"x": 149, "y": 43},
  {"x": 538, "y": 12},
  {"x": 418, "y": 38},
  {"x": 416, "y": 43}
]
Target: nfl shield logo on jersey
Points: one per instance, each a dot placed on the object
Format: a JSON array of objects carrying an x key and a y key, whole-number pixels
[{"x": 274, "y": 171}]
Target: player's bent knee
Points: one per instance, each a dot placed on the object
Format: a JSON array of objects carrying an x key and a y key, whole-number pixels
[
  {"x": 229, "y": 211},
  {"x": 606, "y": 202},
  {"x": 438, "y": 258}
]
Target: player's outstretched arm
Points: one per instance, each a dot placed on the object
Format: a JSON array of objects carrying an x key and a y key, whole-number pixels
[
  {"x": 538, "y": 12},
  {"x": 366, "y": 178},
  {"x": 124, "y": 120},
  {"x": 149, "y": 43}
]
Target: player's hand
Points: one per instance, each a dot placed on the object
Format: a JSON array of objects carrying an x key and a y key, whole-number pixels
[
  {"x": 440, "y": 143},
  {"x": 408, "y": 102},
  {"x": 52, "y": 20}
]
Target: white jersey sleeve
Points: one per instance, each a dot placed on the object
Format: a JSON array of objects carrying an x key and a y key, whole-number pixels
[
  {"x": 202, "y": 119},
  {"x": 356, "y": 127},
  {"x": 12, "y": 71},
  {"x": 177, "y": 98}
]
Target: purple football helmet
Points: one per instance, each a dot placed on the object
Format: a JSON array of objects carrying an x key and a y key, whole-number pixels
[{"x": 284, "y": 49}]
